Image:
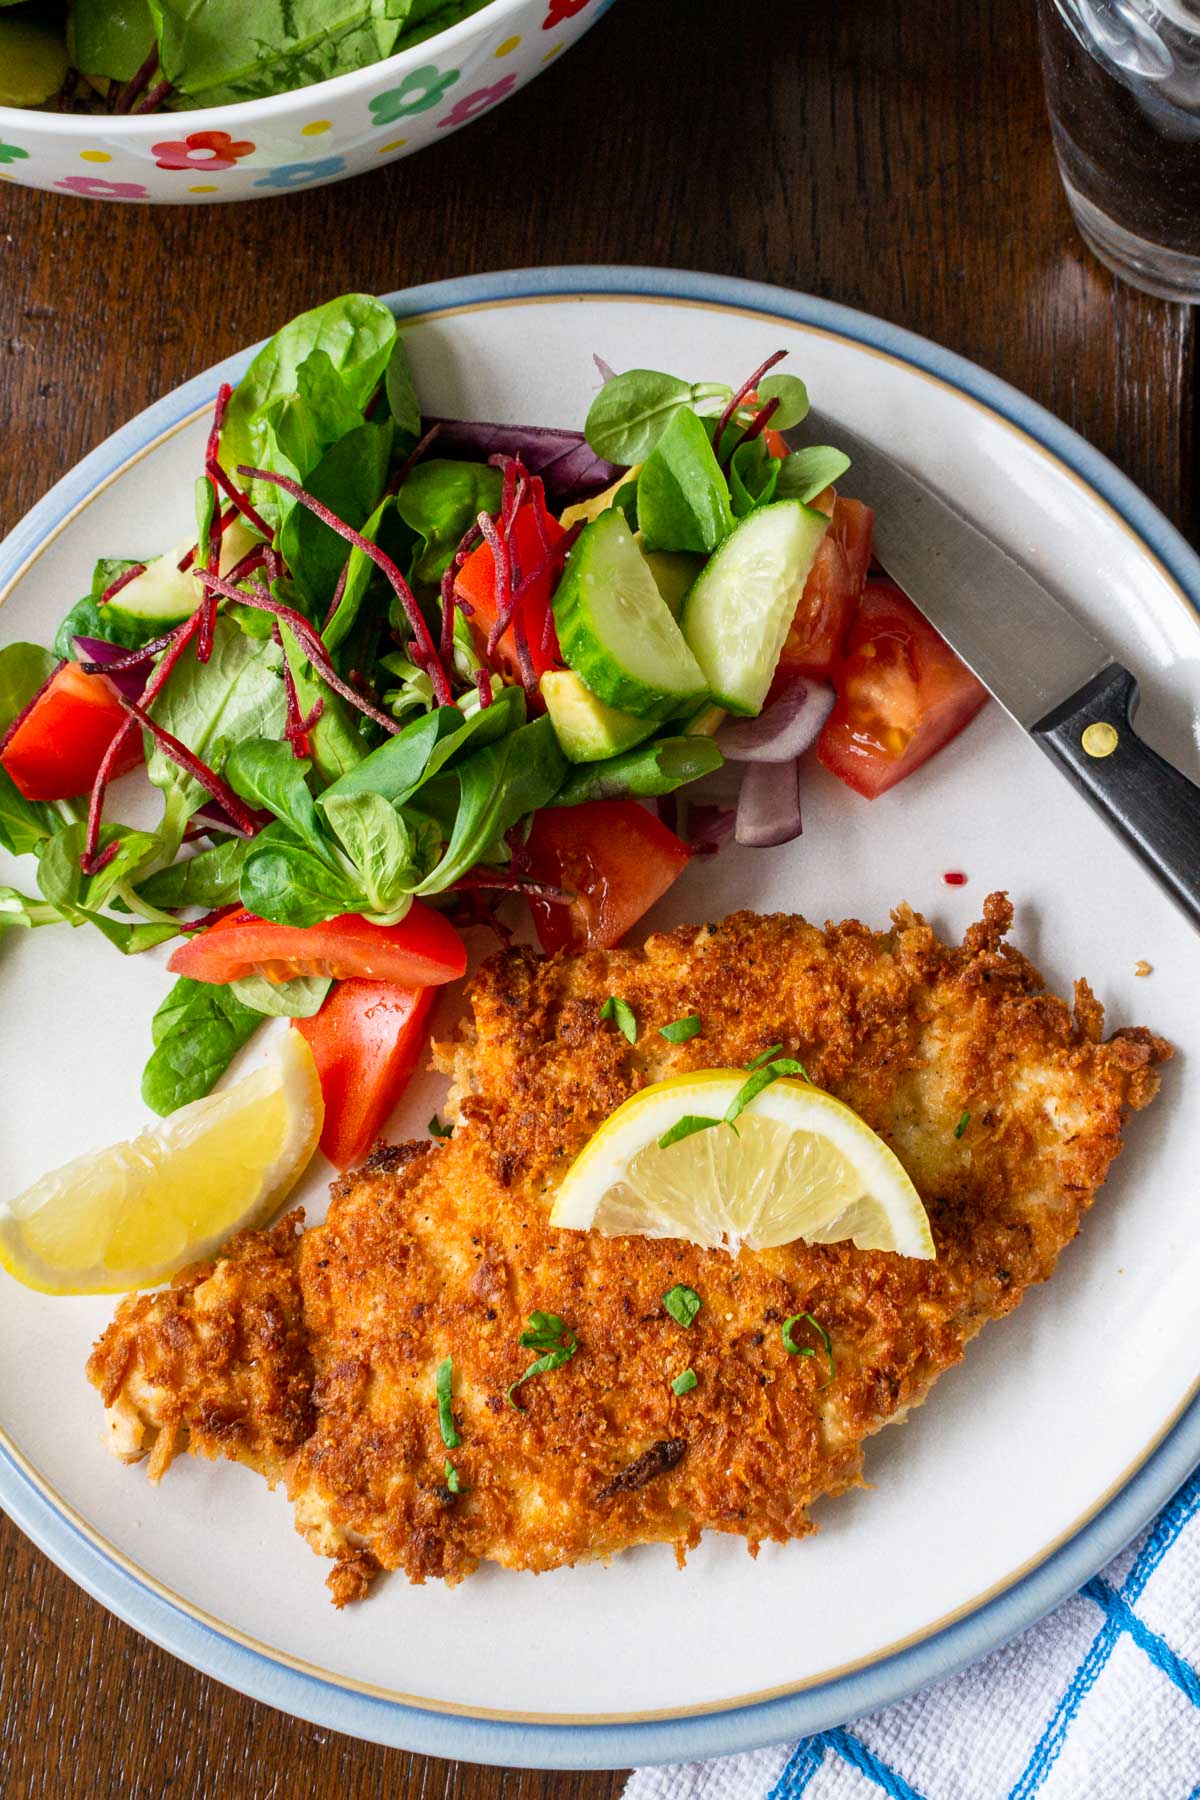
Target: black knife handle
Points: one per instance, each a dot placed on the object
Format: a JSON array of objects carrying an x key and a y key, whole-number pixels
[{"x": 1155, "y": 808}]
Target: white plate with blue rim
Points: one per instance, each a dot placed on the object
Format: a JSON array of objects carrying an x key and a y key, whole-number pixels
[{"x": 1069, "y": 1423}]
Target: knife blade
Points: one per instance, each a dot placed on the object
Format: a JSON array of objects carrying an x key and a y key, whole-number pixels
[{"x": 1047, "y": 669}]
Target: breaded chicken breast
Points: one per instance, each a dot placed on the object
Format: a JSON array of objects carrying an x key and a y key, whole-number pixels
[{"x": 312, "y": 1356}]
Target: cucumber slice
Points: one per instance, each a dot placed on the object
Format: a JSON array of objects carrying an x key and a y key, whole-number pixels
[
  {"x": 162, "y": 594},
  {"x": 616, "y": 630},
  {"x": 737, "y": 614},
  {"x": 587, "y": 729}
]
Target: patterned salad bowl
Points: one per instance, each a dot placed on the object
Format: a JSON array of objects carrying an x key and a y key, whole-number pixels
[{"x": 306, "y": 138}]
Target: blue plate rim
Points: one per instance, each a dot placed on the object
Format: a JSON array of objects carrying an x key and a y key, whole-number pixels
[{"x": 516, "y": 1743}]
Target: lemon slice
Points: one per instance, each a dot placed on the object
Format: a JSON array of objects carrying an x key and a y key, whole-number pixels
[
  {"x": 129, "y": 1216},
  {"x": 801, "y": 1165}
]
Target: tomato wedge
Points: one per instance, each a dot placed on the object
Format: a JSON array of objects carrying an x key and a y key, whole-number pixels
[
  {"x": 423, "y": 950},
  {"x": 831, "y": 593},
  {"x": 58, "y": 746},
  {"x": 365, "y": 1041},
  {"x": 901, "y": 694},
  {"x": 477, "y": 585},
  {"x": 614, "y": 856}
]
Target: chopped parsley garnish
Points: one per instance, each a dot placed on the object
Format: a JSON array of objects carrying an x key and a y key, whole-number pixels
[
  {"x": 445, "y": 1394},
  {"x": 453, "y": 1480},
  {"x": 680, "y": 1030},
  {"x": 795, "y": 1349},
  {"x": 762, "y": 1078},
  {"x": 438, "y": 1130},
  {"x": 962, "y": 1124},
  {"x": 682, "y": 1128},
  {"x": 766, "y": 1057},
  {"x": 683, "y": 1303},
  {"x": 544, "y": 1328},
  {"x": 622, "y": 1016},
  {"x": 683, "y": 1384}
]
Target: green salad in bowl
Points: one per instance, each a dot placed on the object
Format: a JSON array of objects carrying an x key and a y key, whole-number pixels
[{"x": 139, "y": 56}]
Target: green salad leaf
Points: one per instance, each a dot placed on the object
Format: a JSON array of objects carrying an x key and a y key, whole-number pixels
[
  {"x": 632, "y": 411},
  {"x": 216, "y": 52},
  {"x": 109, "y": 37},
  {"x": 657, "y": 767},
  {"x": 349, "y": 479},
  {"x": 682, "y": 496},
  {"x": 438, "y": 501},
  {"x": 209, "y": 879},
  {"x": 197, "y": 1032},
  {"x": 808, "y": 472},
  {"x": 299, "y": 998}
]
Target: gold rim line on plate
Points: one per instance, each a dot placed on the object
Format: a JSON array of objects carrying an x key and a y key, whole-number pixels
[{"x": 270, "y": 1653}]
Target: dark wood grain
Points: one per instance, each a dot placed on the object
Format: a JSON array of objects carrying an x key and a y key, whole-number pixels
[{"x": 893, "y": 157}]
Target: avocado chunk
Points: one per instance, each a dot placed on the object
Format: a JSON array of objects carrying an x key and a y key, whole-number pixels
[{"x": 588, "y": 730}]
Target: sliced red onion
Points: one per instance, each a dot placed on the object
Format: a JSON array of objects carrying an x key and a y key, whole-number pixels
[
  {"x": 768, "y": 810},
  {"x": 782, "y": 731},
  {"x": 129, "y": 682}
]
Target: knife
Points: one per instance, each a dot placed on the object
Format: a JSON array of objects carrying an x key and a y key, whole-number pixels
[{"x": 1046, "y": 669}]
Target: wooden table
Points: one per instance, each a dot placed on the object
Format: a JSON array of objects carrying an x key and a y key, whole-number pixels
[{"x": 892, "y": 157}]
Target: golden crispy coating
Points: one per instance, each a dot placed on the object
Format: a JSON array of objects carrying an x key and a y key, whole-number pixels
[{"x": 314, "y": 1356}]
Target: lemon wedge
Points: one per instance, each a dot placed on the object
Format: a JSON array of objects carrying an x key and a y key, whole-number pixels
[
  {"x": 131, "y": 1215},
  {"x": 800, "y": 1165}
]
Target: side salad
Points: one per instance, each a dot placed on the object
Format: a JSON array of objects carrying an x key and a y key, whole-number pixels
[
  {"x": 123, "y": 56},
  {"x": 406, "y": 669}
]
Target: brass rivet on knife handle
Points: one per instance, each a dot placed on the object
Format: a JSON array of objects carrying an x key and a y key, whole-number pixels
[{"x": 1100, "y": 739}]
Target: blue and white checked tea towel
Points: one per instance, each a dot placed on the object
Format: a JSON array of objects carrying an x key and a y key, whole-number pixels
[{"x": 1101, "y": 1701}]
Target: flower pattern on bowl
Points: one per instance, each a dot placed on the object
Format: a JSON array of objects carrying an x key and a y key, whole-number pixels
[
  {"x": 471, "y": 105},
  {"x": 94, "y": 187},
  {"x": 13, "y": 153},
  {"x": 207, "y": 150},
  {"x": 561, "y": 11},
  {"x": 416, "y": 94},
  {"x": 302, "y": 174}
]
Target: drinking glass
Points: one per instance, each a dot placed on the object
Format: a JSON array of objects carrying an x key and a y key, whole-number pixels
[{"x": 1123, "y": 89}]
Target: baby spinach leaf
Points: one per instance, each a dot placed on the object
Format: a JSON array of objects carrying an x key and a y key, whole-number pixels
[
  {"x": 497, "y": 786},
  {"x": 299, "y": 998},
  {"x": 632, "y": 411},
  {"x": 208, "y": 879},
  {"x": 439, "y": 500},
  {"x": 753, "y": 477},
  {"x": 359, "y": 576},
  {"x": 87, "y": 618},
  {"x": 211, "y": 707},
  {"x": 220, "y": 51},
  {"x": 350, "y": 479},
  {"x": 658, "y": 767},
  {"x": 808, "y": 472},
  {"x": 316, "y": 415},
  {"x": 335, "y": 743},
  {"x": 24, "y": 824},
  {"x": 109, "y": 37},
  {"x": 355, "y": 331},
  {"x": 682, "y": 496},
  {"x": 792, "y": 396},
  {"x": 265, "y": 772},
  {"x": 285, "y": 881},
  {"x": 24, "y": 668},
  {"x": 398, "y": 768},
  {"x": 197, "y": 1032},
  {"x": 401, "y": 395}
]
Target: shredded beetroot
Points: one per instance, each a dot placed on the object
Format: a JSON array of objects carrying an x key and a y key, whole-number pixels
[
  {"x": 232, "y": 491},
  {"x": 748, "y": 386},
  {"x": 429, "y": 656},
  {"x": 122, "y": 581},
  {"x": 211, "y": 918},
  {"x": 25, "y": 711},
  {"x": 338, "y": 592},
  {"x": 137, "y": 82},
  {"x": 309, "y": 640},
  {"x": 757, "y": 425},
  {"x": 483, "y": 682},
  {"x": 499, "y": 548},
  {"x": 135, "y": 658},
  {"x": 191, "y": 764},
  {"x": 298, "y": 726},
  {"x": 183, "y": 636},
  {"x": 254, "y": 559},
  {"x": 154, "y": 99},
  {"x": 413, "y": 458}
]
